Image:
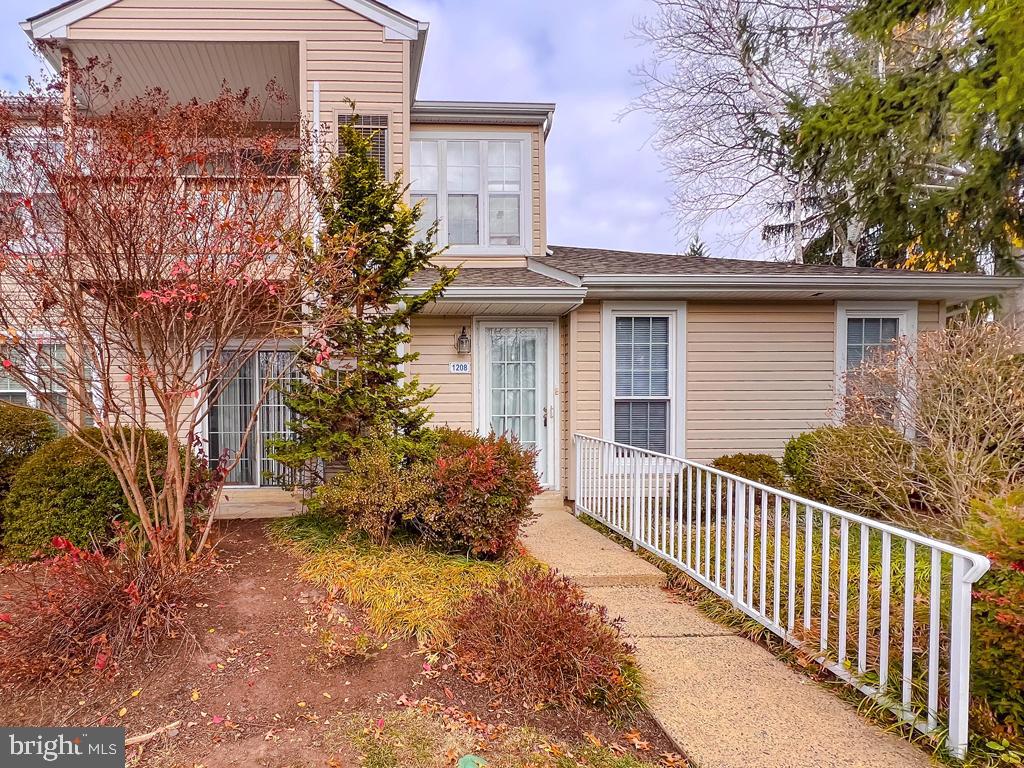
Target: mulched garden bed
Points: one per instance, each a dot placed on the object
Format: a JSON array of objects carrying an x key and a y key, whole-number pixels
[{"x": 259, "y": 681}]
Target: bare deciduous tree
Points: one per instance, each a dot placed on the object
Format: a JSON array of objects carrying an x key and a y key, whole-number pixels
[
  {"x": 723, "y": 76},
  {"x": 148, "y": 251},
  {"x": 958, "y": 396}
]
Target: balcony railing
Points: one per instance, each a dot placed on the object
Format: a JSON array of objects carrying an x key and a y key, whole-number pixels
[{"x": 886, "y": 610}]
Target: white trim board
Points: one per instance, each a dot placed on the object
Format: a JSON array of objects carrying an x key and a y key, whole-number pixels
[
  {"x": 55, "y": 23},
  {"x": 676, "y": 311}
]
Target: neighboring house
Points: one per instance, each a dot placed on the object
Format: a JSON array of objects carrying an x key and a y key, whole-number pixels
[{"x": 681, "y": 355}]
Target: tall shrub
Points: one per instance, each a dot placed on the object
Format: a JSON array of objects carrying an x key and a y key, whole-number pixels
[{"x": 958, "y": 393}]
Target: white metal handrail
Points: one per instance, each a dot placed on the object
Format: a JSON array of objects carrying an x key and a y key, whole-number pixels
[{"x": 785, "y": 561}]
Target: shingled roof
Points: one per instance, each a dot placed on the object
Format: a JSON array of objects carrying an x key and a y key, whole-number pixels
[
  {"x": 490, "y": 277},
  {"x": 601, "y": 261}
]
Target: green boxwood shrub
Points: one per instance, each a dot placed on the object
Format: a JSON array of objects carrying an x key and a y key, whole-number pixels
[
  {"x": 23, "y": 431},
  {"x": 377, "y": 492},
  {"x": 759, "y": 467},
  {"x": 65, "y": 489},
  {"x": 798, "y": 462}
]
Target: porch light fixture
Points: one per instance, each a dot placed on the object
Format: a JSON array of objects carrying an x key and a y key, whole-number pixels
[{"x": 462, "y": 342}]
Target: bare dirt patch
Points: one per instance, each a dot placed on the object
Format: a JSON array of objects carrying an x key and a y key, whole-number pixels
[{"x": 260, "y": 682}]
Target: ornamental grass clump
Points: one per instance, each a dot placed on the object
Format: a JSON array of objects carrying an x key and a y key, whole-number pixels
[
  {"x": 534, "y": 635},
  {"x": 88, "y": 611},
  {"x": 405, "y": 589}
]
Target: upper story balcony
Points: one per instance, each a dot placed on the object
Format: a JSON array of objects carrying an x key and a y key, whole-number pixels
[{"x": 478, "y": 167}]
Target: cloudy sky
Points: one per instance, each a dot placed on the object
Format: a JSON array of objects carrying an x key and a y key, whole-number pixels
[{"x": 606, "y": 187}]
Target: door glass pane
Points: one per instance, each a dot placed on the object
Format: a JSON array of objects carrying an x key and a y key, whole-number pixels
[
  {"x": 514, "y": 396},
  {"x": 229, "y": 416},
  {"x": 274, "y": 416}
]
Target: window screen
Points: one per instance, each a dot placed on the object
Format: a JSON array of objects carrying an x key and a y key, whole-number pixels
[{"x": 642, "y": 400}]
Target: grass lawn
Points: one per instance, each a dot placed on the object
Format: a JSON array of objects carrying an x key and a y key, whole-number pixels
[{"x": 291, "y": 662}]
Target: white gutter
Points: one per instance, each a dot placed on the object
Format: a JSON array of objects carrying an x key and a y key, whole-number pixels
[{"x": 500, "y": 294}]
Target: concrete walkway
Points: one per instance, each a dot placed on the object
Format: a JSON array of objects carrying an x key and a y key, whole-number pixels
[{"x": 724, "y": 700}]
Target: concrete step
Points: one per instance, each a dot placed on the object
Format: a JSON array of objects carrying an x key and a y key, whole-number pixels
[{"x": 257, "y": 503}]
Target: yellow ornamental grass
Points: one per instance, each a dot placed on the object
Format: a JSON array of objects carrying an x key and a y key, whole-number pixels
[{"x": 405, "y": 589}]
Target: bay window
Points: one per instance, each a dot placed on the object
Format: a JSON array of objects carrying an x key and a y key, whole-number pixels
[{"x": 476, "y": 187}]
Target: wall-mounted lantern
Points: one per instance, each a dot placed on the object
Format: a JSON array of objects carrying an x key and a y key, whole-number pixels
[{"x": 462, "y": 342}]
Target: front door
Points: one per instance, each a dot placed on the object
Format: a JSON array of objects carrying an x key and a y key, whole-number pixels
[{"x": 518, "y": 387}]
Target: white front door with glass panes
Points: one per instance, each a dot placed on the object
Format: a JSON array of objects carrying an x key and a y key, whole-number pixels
[
  {"x": 233, "y": 411},
  {"x": 518, "y": 387}
]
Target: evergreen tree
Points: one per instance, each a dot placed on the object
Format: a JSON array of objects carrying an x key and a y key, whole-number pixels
[
  {"x": 356, "y": 385},
  {"x": 698, "y": 248},
  {"x": 921, "y": 140}
]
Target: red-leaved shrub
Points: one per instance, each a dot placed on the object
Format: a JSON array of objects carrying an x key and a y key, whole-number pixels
[
  {"x": 534, "y": 635},
  {"x": 89, "y": 610},
  {"x": 484, "y": 489}
]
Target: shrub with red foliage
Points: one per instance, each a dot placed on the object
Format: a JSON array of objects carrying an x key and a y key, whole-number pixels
[
  {"x": 89, "y": 610},
  {"x": 535, "y": 635},
  {"x": 484, "y": 493}
]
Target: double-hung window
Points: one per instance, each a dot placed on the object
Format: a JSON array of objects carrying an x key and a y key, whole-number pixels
[
  {"x": 46, "y": 368},
  {"x": 476, "y": 188},
  {"x": 865, "y": 335},
  {"x": 642, "y": 398},
  {"x": 642, "y": 375},
  {"x": 11, "y": 390}
]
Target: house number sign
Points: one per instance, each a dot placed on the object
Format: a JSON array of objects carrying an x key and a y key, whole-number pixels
[{"x": 458, "y": 366}]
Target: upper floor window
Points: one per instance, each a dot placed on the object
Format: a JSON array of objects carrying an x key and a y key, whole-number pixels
[
  {"x": 374, "y": 128},
  {"x": 475, "y": 187}
]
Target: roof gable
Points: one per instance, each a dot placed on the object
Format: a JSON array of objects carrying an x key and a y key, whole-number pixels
[{"x": 54, "y": 23}]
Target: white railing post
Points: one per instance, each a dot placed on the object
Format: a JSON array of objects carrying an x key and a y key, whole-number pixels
[
  {"x": 739, "y": 541},
  {"x": 959, "y": 659},
  {"x": 635, "y": 530},
  {"x": 577, "y": 443}
]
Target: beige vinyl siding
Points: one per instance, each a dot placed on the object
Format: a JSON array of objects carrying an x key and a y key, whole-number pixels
[
  {"x": 537, "y": 189},
  {"x": 581, "y": 392},
  {"x": 345, "y": 52},
  {"x": 756, "y": 374},
  {"x": 563, "y": 384},
  {"x": 930, "y": 316},
  {"x": 433, "y": 339}
]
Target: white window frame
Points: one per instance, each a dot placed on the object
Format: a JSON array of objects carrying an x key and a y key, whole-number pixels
[
  {"x": 525, "y": 247},
  {"x": 676, "y": 313},
  {"x": 906, "y": 316}
]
